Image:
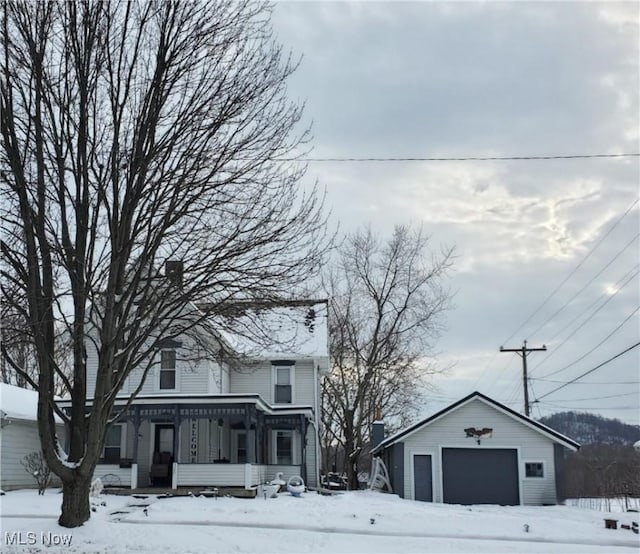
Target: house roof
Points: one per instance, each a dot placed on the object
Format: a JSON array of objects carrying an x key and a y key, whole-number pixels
[
  {"x": 19, "y": 403},
  {"x": 531, "y": 423},
  {"x": 298, "y": 329}
]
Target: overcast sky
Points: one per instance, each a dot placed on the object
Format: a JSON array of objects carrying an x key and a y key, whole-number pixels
[{"x": 418, "y": 79}]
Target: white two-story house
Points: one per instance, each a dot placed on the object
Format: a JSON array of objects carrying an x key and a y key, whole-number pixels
[{"x": 212, "y": 423}]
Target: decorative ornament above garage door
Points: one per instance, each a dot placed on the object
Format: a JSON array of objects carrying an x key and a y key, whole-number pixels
[{"x": 478, "y": 434}]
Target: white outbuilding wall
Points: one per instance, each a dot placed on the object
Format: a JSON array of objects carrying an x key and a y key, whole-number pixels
[{"x": 19, "y": 436}]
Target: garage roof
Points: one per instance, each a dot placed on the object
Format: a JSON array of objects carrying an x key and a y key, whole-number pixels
[{"x": 532, "y": 423}]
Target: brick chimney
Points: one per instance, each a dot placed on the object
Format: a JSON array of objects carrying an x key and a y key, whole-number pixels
[
  {"x": 377, "y": 428},
  {"x": 174, "y": 271}
]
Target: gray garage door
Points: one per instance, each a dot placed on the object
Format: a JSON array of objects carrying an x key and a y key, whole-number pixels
[{"x": 480, "y": 476}]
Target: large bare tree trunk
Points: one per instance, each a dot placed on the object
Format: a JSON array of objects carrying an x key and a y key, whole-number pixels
[{"x": 76, "y": 508}]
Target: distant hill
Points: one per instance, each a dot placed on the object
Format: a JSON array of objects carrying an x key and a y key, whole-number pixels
[{"x": 586, "y": 428}]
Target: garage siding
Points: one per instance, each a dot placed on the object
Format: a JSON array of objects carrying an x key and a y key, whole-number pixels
[{"x": 448, "y": 431}]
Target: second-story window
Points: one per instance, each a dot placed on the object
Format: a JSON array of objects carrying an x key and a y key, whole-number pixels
[
  {"x": 283, "y": 382},
  {"x": 167, "y": 370}
]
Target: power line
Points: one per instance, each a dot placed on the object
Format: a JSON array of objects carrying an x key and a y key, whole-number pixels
[
  {"x": 607, "y": 408},
  {"x": 341, "y": 159},
  {"x": 572, "y": 272},
  {"x": 597, "y": 397},
  {"x": 590, "y": 371},
  {"x": 585, "y": 286},
  {"x": 589, "y": 383},
  {"x": 596, "y": 346},
  {"x": 591, "y": 316},
  {"x": 619, "y": 285}
]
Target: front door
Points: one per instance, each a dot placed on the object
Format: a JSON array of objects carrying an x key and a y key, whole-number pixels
[
  {"x": 163, "y": 455},
  {"x": 164, "y": 438}
]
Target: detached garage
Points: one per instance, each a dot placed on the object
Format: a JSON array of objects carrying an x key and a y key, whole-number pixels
[{"x": 476, "y": 451}]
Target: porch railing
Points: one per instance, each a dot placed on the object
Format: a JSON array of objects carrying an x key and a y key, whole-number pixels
[
  {"x": 228, "y": 475},
  {"x": 114, "y": 475}
]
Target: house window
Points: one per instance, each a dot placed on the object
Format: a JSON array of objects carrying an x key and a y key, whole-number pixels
[
  {"x": 167, "y": 369},
  {"x": 242, "y": 448},
  {"x": 113, "y": 444},
  {"x": 534, "y": 469},
  {"x": 283, "y": 393},
  {"x": 284, "y": 448}
]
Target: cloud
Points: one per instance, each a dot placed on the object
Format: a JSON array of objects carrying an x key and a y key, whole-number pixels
[{"x": 425, "y": 79}]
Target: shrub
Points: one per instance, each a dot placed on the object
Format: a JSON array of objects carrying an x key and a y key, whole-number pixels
[{"x": 36, "y": 466}]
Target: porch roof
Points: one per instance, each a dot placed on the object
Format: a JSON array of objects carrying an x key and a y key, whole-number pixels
[{"x": 219, "y": 400}]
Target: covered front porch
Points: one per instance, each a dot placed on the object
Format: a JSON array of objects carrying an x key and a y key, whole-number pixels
[{"x": 207, "y": 441}]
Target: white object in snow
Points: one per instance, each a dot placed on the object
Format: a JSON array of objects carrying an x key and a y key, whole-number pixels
[
  {"x": 295, "y": 485},
  {"x": 380, "y": 476},
  {"x": 269, "y": 490},
  {"x": 96, "y": 487},
  {"x": 278, "y": 480}
]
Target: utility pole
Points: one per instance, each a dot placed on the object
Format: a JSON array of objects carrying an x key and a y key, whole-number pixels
[{"x": 522, "y": 352}]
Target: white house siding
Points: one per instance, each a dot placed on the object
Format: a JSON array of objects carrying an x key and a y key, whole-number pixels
[
  {"x": 195, "y": 380},
  {"x": 217, "y": 475},
  {"x": 270, "y": 472},
  {"x": 92, "y": 367},
  {"x": 304, "y": 383},
  {"x": 18, "y": 439},
  {"x": 113, "y": 474},
  {"x": 507, "y": 433},
  {"x": 199, "y": 377},
  {"x": 259, "y": 380},
  {"x": 312, "y": 467},
  {"x": 224, "y": 373},
  {"x": 252, "y": 380}
]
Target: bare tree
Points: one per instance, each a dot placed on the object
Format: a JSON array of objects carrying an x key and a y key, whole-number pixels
[
  {"x": 19, "y": 366},
  {"x": 387, "y": 299},
  {"x": 602, "y": 471},
  {"x": 134, "y": 134}
]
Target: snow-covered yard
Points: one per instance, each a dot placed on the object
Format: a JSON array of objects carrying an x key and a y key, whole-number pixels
[{"x": 350, "y": 522}]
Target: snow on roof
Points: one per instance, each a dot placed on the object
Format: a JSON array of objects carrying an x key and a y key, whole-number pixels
[
  {"x": 19, "y": 403},
  {"x": 281, "y": 332}
]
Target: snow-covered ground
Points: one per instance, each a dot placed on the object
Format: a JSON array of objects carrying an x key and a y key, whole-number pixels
[{"x": 349, "y": 522}]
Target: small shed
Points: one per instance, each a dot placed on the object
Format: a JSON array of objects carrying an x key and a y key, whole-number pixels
[
  {"x": 18, "y": 435},
  {"x": 476, "y": 451}
]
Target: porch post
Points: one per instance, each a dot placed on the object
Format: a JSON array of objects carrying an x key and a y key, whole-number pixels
[
  {"x": 303, "y": 447},
  {"x": 136, "y": 432},
  {"x": 251, "y": 444},
  {"x": 176, "y": 432},
  {"x": 260, "y": 438}
]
